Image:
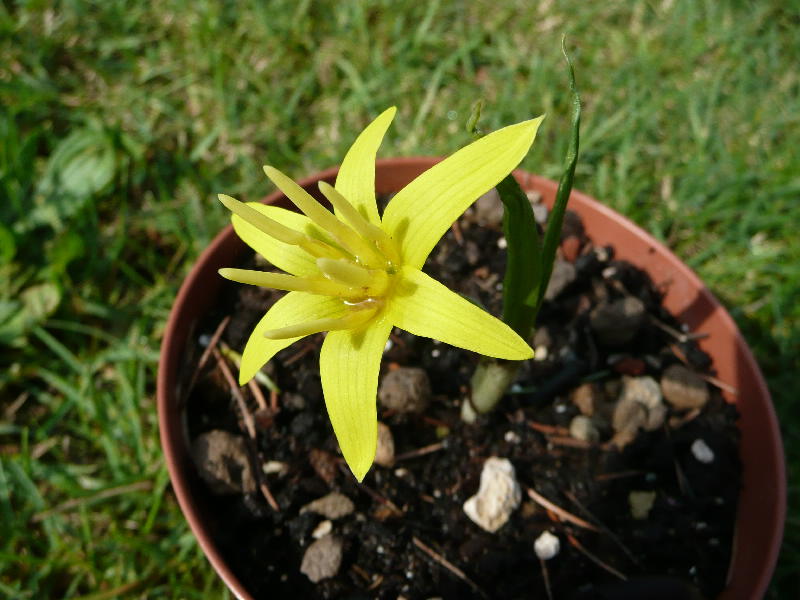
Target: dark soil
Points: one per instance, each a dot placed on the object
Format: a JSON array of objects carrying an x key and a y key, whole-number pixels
[{"x": 681, "y": 549}]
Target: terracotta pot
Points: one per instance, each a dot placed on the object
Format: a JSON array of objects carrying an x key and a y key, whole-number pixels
[{"x": 762, "y": 505}]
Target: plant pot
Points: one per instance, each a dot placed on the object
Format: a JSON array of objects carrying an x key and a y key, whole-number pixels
[{"x": 762, "y": 503}]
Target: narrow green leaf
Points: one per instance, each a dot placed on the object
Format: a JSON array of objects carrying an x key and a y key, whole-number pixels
[
  {"x": 552, "y": 236},
  {"x": 523, "y": 263}
]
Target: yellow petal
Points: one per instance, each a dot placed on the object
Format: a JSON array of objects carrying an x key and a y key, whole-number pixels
[
  {"x": 349, "y": 365},
  {"x": 286, "y": 257},
  {"x": 423, "y": 211},
  {"x": 293, "y": 308},
  {"x": 356, "y": 179},
  {"x": 425, "y": 307}
]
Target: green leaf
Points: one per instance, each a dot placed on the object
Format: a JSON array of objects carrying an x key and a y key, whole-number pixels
[
  {"x": 81, "y": 165},
  {"x": 523, "y": 264},
  {"x": 552, "y": 236}
]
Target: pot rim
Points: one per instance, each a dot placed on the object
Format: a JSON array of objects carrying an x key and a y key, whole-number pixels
[{"x": 755, "y": 580}]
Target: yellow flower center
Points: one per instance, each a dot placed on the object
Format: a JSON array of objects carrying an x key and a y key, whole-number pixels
[{"x": 357, "y": 264}]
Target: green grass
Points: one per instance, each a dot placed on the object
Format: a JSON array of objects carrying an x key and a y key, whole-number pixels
[{"x": 120, "y": 121}]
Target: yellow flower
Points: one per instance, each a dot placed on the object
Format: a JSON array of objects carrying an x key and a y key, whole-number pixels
[{"x": 357, "y": 275}]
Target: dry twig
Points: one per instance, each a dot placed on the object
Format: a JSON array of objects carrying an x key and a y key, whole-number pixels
[
  {"x": 420, "y": 451},
  {"x": 447, "y": 565},
  {"x": 574, "y": 499},
  {"x": 548, "y": 429},
  {"x": 212, "y": 344},
  {"x": 562, "y": 514},
  {"x": 578, "y": 546},
  {"x": 249, "y": 425}
]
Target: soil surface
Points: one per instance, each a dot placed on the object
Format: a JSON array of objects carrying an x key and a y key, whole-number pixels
[{"x": 406, "y": 534}]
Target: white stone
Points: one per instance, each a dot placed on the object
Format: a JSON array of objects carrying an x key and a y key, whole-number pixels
[
  {"x": 274, "y": 467},
  {"x": 498, "y": 495},
  {"x": 546, "y": 546},
  {"x": 702, "y": 452},
  {"x": 322, "y": 529},
  {"x": 582, "y": 428}
]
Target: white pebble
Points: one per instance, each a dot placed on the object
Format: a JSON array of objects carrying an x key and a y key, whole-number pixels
[
  {"x": 502, "y": 243},
  {"x": 702, "y": 452},
  {"x": 322, "y": 529},
  {"x": 274, "y": 467},
  {"x": 498, "y": 496},
  {"x": 546, "y": 546},
  {"x": 540, "y": 353},
  {"x": 512, "y": 437}
]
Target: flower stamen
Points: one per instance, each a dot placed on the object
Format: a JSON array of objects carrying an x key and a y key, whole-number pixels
[
  {"x": 358, "y": 315},
  {"x": 278, "y": 231},
  {"x": 366, "y": 229},
  {"x": 291, "y": 283},
  {"x": 363, "y": 251}
]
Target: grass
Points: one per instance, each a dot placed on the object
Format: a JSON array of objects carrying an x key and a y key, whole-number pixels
[{"x": 119, "y": 122}]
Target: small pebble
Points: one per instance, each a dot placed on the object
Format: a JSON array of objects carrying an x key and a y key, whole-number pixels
[
  {"x": 546, "y": 546},
  {"x": 488, "y": 208},
  {"x": 586, "y": 397},
  {"x": 642, "y": 391},
  {"x": 274, "y": 467},
  {"x": 683, "y": 389},
  {"x": 641, "y": 502},
  {"x": 406, "y": 390},
  {"x": 332, "y": 506},
  {"x": 540, "y": 353},
  {"x": 498, "y": 496},
  {"x": 563, "y": 274},
  {"x": 293, "y": 401},
  {"x": 322, "y": 558},
  {"x": 617, "y": 322},
  {"x": 384, "y": 454},
  {"x": 582, "y": 428},
  {"x": 321, "y": 530},
  {"x": 539, "y": 213},
  {"x": 534, "y": 197},
  {"x": 512, "y": 437},
  {"x": 222, "y": 461},
  {"x": 702, "y": 452}
]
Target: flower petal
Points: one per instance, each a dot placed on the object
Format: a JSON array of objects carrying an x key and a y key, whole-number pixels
[
  {"x": 425, "y": 307},
  {"x": 349, "y": 365},
  {"x": 422, "y": 211},
  {"x": 356, "y": 179},
  {"x": 293, "y": 308},
  {"x": 287, "y": 257}
]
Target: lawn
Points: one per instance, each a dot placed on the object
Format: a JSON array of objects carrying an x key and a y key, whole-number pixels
[{"x": 121, "y": 120}]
